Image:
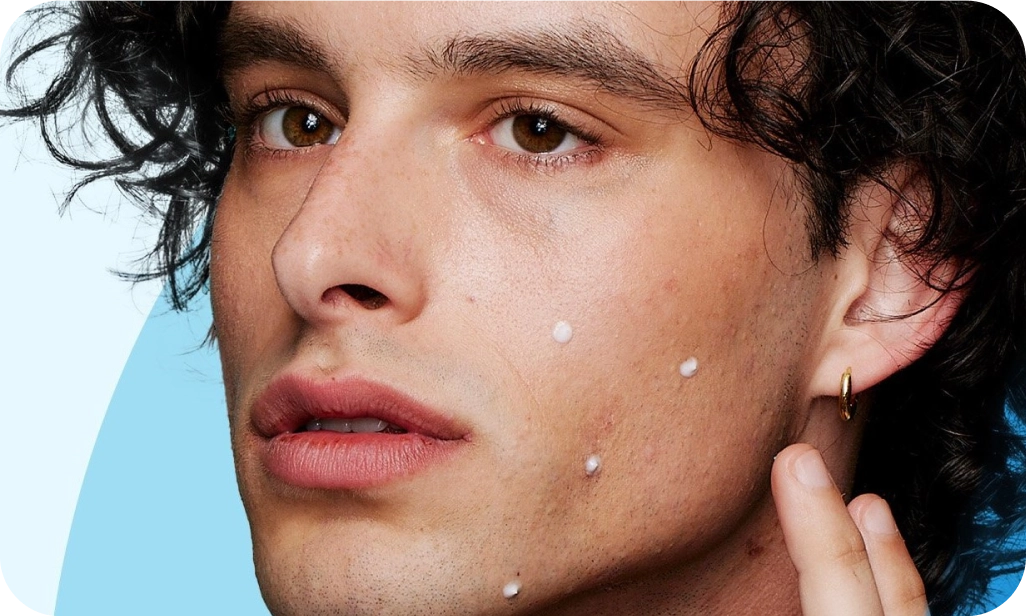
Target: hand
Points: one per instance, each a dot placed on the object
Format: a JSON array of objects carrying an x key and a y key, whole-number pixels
[{"x": 851, "y": 561}]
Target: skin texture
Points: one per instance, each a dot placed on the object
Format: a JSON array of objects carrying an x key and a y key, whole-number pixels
[{"x": 653, "y": 239}]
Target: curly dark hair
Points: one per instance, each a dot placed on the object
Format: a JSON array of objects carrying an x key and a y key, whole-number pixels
[{"x": 846, "y": 92}]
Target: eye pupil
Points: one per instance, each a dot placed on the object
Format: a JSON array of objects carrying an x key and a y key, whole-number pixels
[
  {"x": 537, "y": 134},
  {"x": 311, "y": 122}
]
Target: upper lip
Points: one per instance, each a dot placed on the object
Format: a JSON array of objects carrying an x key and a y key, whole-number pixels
[{"x": 291, "y": 401}]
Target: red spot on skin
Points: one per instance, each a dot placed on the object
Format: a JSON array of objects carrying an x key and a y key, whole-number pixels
[
  {"x": 752, "y": 548},
  {"x": 671, "y": 285}
]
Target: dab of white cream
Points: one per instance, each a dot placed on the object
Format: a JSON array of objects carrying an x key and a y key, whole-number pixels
[
  {"x": 689, "y": 367},
  {"x": 511, "y": 589},
  {"x": 592, "y": 464},
  {"x": 562, "y": 332}
]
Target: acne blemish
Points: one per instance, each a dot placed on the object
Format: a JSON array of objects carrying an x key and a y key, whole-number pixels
[
  {"x": 562, "y": 332},
  {"x": 592, "y": 464},
  {"x": 511, "y": 589},
  {"x": 753, "y": 549},
  {"x": 689, "y": 367}
]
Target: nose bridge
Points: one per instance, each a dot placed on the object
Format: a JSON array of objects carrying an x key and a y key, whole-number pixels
[{"x": 354, "y": 245}]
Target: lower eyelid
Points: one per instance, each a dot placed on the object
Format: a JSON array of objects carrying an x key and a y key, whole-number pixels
[{"x": 551, "y": 162}]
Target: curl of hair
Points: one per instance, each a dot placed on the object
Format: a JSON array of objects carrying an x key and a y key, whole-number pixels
[
  {"x": 148, "y": 75},
  {"x": 847, "y": 92}
]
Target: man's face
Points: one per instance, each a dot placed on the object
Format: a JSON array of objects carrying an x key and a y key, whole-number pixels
[{"x": 419, "y": 195}]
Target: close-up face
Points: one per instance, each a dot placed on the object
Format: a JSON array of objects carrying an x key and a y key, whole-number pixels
[{"x": 493, "y": 307}]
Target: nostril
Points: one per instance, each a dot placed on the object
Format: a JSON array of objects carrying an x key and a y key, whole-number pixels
[{"x": 367, "y": 297}]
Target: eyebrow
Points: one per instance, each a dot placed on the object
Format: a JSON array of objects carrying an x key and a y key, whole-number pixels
[
  {"x": 587, "y": 53},
  {"x": 246, "y": 41}
]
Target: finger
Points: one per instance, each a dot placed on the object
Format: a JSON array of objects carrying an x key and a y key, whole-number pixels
[
  {"x": 834, "y": 573},
  {"x": 901, "y": 588}
]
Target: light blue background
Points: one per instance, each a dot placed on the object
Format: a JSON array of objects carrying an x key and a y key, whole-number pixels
[{"x": 158, "y": 527}]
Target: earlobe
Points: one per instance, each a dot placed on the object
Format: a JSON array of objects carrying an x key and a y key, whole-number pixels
[{"x": 887, "y": 307}]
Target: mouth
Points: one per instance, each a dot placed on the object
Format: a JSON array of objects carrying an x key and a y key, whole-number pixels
[
  {"x": 360, "y": 425},
  {"x": 349, "y": 434}
]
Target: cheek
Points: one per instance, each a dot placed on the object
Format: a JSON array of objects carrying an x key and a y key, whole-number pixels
[
  {"x": 670, "y": 445},
  {"x": 250, "y": 314}
]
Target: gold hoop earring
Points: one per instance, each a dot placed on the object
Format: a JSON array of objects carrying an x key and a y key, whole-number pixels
[{"x": 847, "y": 404}]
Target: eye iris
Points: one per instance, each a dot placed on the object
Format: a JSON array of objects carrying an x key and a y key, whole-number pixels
[
  {"x": 305, "y": 127},
  {"x": 537, "y": 134}
]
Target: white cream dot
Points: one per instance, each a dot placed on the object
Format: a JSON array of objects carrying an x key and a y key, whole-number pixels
[
  {"x": 689, "y": 367},
  {"x": 562, "y": 332},
  {"x": 592, "y": 464},
  {"x": 511, "y": 589}
]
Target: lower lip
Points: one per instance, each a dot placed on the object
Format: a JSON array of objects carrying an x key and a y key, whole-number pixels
[{"x": 351, "y": 461}]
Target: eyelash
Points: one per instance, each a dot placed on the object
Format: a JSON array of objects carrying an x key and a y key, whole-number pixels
[
  {"x": 251, "y": 112},
  {"x": 509, "y": 108}
]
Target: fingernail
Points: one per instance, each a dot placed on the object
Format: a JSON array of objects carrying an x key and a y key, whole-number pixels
[
  {"x": 810, "y": 470},
  {"x": 878, "y": 519}
]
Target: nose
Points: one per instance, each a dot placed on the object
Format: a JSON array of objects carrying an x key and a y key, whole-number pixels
[{"x": 353, "y": 250}]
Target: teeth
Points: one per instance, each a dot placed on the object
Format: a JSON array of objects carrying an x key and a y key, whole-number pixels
[
  {"x": 360, "y": 425},
  {"x": 336, "y": 425},
  {"x": 368, "y": 424}
]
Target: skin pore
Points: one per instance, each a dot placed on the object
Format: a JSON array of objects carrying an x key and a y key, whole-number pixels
[{"x": 383, "y": 220}]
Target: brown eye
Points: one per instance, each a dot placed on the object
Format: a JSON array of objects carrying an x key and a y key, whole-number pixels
[
  {"x": 537, "y": 134},
  {"x": 288, "y": 128},
  {"x": 534, "y": 134}
]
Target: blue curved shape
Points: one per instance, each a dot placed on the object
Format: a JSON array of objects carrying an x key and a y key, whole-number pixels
[{"x": 159, "y": 527}]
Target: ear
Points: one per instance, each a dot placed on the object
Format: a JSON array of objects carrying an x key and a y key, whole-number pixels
[{"x": 884, "y": 313}]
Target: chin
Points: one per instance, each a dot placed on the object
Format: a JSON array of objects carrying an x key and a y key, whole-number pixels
[{"x": 329, "y": 580}]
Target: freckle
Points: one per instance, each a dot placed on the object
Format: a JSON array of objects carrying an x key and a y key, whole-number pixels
[
  {"x": 689, "y": 367},
  {"x": 592, "y": 464},
  {"x": 562, "y": 332},
  {"x": 511, "y": 589}
]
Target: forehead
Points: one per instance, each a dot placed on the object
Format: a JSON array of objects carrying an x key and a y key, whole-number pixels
[{"x": 644, "y": 48}]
